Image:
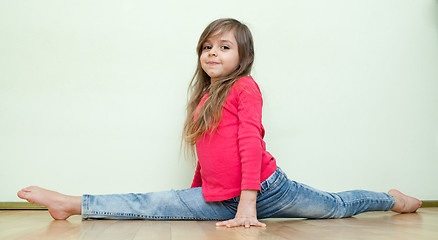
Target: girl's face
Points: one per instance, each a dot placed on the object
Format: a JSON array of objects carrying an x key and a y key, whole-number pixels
[{"x": 220, "y": 55}]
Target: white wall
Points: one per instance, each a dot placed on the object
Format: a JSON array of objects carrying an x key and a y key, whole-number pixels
[{"x": 92, "y": 93}]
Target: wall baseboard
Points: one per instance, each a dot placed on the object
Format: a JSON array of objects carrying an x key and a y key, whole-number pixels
[
  {"x": 432, "y": 203},
  {"x": 20, "y": 206},
  {"x": 33, "y": 206}
]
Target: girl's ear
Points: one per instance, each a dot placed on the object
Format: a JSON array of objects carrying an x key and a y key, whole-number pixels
[{"x": 251, "y": 58}]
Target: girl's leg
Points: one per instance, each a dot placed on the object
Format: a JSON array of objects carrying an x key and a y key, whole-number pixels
[
  {"x": 188, "y": 204},
  {"x": 284, "y": 198}
]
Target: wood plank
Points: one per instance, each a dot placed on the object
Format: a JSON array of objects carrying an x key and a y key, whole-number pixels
[
  {"x": 20, "y": 224},
  {"x": 154, "y": 230}
]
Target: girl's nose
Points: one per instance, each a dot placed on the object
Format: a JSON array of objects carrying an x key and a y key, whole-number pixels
[{"x": 212, "y": 52}]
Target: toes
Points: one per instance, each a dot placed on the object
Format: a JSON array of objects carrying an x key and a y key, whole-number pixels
[
  {"x": 27, "y": 189},
  {"x": 25, "y": 192},
  {"x": 22, "y": 194},
  {"x": 30, "y": 188}
]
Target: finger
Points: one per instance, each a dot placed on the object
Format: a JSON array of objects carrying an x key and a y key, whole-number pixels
[
  {"x": 235, "y": 223},
  {"x": 228, "y": 223},
  {"x": 247, "y": 224},
  {"x": 260, "y": 224},
  {"x": 223, "y": 223}
]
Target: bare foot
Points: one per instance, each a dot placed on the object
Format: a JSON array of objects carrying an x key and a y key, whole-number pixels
[
  {"x": 404, "y": 203},
  {"x": 60, "y": 206}
]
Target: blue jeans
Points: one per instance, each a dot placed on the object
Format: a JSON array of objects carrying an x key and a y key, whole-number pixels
[{"x": 279, "y": 197}]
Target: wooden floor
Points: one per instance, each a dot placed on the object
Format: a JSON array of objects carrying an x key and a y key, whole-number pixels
[{"x": 37, "y": 224}]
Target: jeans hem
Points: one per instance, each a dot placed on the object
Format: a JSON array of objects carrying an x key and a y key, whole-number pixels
[
  {"x": 393, "y": 201},
  {"x": 84, "y": 206}
]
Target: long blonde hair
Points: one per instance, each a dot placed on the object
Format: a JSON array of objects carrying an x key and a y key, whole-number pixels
[{"x": 211, "y": 112}]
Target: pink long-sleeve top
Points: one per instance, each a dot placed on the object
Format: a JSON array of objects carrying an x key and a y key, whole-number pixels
[{"x": 234, "y": 157}]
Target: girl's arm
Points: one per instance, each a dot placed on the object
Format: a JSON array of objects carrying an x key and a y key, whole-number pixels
[
  {"x": 246, "y": 212},
  {"x": 249, "y": 111}
]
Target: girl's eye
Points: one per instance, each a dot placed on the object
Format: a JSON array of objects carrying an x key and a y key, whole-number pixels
[
  {"x": 225, "y": 47},
  {"x": 208, "y": 47}
]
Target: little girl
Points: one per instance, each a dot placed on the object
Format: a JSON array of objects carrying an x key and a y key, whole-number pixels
[{"x": 236, "y": 180}]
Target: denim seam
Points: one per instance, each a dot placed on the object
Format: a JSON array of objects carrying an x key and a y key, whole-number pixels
[
  {"x": 99, "y": 213},
  {"x": 380, "y": 200},
  {"x": 387, "y": 202}
]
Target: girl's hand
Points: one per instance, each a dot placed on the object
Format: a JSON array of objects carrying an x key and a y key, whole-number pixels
[
  {"x": 246, "y": 212},
  {"x": 241, "y": 221}
]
